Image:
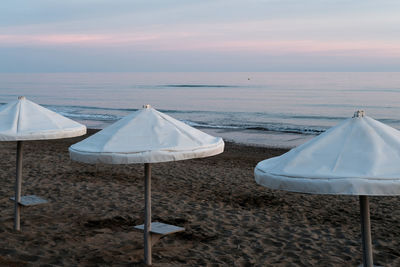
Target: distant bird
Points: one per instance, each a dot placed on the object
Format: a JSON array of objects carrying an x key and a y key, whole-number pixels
[{"x": 248, "y": 79}]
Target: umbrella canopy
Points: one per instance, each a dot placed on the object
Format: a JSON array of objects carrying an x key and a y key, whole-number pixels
[
  {"x": 24, "y": 120},
  {"x": 360, "y": 156},
  {"x": 146, "y": 136}
]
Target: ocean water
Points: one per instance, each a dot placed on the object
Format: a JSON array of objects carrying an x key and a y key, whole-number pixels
[{"x": 272, "y": 109}]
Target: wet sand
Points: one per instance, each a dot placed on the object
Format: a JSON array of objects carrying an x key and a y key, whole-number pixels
[{"x": 229, "y": 219}]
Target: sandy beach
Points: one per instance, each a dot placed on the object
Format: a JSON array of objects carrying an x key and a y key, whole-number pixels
[{"x": 229, "y": 219}]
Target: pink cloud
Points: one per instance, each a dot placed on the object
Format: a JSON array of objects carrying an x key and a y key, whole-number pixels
[
  {"x": 307, "y": 46},
  {"x": 50, "y": 38},
  {"x": 82, "y": 39},
  {"x": 378, "y": 48},
  {"x": 69, "y": 38},
  {"x": 189, "y": 41}
]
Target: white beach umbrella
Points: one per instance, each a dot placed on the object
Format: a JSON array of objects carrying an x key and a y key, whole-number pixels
[
  {"x": 147, "y": 136},
  {"x": 23, "y": 120},
  {"x": 360, "y": 156}
]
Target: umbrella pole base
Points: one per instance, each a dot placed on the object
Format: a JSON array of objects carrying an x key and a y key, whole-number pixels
[
  {"x": 159, "y": 230},
  {"x": 25, "y": 201},
  {"x": 31, "y": 200}
]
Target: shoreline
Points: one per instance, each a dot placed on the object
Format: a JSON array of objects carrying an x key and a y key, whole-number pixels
[
  {"x": 240, "y": 141},
  {"x": 229, "y": 219}
]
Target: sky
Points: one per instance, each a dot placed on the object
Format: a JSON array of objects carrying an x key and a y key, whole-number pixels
[{"x": 202, "y": 35}]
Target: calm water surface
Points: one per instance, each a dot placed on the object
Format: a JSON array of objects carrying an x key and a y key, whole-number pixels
[{"x": 276, "y": 109}]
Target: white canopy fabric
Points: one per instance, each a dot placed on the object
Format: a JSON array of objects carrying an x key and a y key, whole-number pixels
[
  {"x": 24, "y": 120},
  {"x": 146, "y": 136},
  {"x": 360, "y": 156}
]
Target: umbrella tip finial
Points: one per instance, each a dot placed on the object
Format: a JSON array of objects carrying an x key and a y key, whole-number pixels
[
  {"x": 146, "y": 106},
  {"x": 21, "y": 97},
  {"x": 359, "y": 114}
]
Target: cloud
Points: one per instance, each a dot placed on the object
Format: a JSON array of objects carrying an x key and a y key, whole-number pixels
[
  {"x": 66, "y": 39},
  {"x": 195, "y": 42}
]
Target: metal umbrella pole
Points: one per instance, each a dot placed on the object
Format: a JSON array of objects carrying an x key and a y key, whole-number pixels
[
  {"x": 147, "y": 214},
  {"x": 18, "y": 182},
  {"x": 366, "y": 232}
]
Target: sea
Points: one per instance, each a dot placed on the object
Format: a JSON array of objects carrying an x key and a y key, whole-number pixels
[{"x": 276, "y": 109}]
